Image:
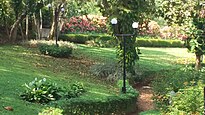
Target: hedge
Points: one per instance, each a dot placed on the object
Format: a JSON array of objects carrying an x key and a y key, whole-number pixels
[
  {"x": 83, "y": 38},
  {"x": 159, "y": 43},
  {"x": 104, "y": 40},
  {"x": 55, "y": 51},
  {"x": 117, "y": 104},
  {"x": 113, "y": 104}
]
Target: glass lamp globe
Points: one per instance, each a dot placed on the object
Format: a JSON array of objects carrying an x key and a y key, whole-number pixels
[
  {"x": 114, "y": 21},
  {"x": 135, "y": 25}
]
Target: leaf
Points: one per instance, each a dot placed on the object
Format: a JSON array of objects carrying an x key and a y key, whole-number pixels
[{"x": 9, "y": 108}]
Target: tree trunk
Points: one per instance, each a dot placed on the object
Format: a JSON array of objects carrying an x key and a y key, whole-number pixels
[
  {"x": 26, "y": 27},
  {"x": 13, "y": 31},
  {"x": 22, "y": 34},
  {"x": 37, "y": 27},
  {"x": 41, "y": 24},
  {"x": 198, "y": 62},
  {"x": 51, "y": 34}
]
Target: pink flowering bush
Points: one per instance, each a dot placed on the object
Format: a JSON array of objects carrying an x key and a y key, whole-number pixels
[{"x": 81, "y": 25}]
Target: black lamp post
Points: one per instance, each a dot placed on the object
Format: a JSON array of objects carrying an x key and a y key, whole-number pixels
[{"x": 123, "y": 36}]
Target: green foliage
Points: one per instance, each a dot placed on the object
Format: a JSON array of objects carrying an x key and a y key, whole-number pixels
[
  {"x": 51, "y": 111},
  {"x": 76, "y": 38},
  {"x": 188, "y": 100},
  {"x": 100, "y": 40},
  {"x": 79, "y": 7},
  {"x": 191, "y": 15},
  {"x": 159, "y": 43},
  {"x": 173, "y": 11},
  {"x": 173, "y": 81},
  {"x": 55, "y": 51},
  {"x": 126, "y": 13},
  {"x": 41, "y": 91},
  {"x": 195, "y": 42},
  {"x": 75, "y": 90},
  {"x": 103, "y": 70},
  {"x": 118, "y": 104}
]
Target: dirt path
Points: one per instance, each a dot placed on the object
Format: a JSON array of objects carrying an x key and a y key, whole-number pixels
[{"x": 144, "y": 101}]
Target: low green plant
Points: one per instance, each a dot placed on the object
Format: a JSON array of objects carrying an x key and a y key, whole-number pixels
[
  {"x": 103, "y": 70},
  {"x": 188, "y": 101},
  {"x": 41, "y": 91},
  {"x": 55, "y": 51},
  {"x": 51, "y": 111},
  {"x": 75, "y": 90},
  {"x": 175, "y": 80}
]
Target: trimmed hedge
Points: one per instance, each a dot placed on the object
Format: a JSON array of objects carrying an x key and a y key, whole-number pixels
[
  {"x": 159, "y": 43},
  {"x": 113, "y": 104},
  {"x": 119, "y": 104},
  {"x": 83, "y": 38},
  {"x": 55, "y": 51},
  {"x": 104, "y": 40}
]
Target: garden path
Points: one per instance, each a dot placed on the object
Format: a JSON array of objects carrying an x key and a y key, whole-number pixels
[{"x": 144, "y": 101}]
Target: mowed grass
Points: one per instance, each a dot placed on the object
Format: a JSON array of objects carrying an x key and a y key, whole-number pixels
[
  {"x": 20, "y": 65},
  {"x": 151, "y": 59}
]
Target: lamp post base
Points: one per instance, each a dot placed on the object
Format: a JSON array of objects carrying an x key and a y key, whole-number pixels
[{"x": 123, "y": 89}]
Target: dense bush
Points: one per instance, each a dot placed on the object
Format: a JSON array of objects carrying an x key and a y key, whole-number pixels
[
  {"x": 82, "y": 24},
  {"x": 55, "y": 51},
  {"x": 118, "y": 104},
  {"x": 173, "y": 81},
  {"x": 42, "y": 91},
  {"x": 188, "y": 101}
]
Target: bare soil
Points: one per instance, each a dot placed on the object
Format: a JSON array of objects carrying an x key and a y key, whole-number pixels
[{"x": 144, "y": 101}]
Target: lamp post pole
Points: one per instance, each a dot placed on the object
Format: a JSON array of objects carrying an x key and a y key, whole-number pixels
[{"x": 123, "y": 36}]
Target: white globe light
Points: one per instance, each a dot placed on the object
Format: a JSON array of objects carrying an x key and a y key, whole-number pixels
[
  {"x": 49, "y": 5},
  {"x": 62, "y": 9},
  {"x": 135, "y": 25},
  {"x": 114, "y": 21}
]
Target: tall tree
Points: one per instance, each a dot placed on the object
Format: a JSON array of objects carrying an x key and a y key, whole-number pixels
[
  {"x": 126, "y": 12},
  {"x": 190, "y": 14}
]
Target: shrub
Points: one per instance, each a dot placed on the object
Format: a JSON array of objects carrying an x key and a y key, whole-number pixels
[
  {"x": 118, "y": 104},
  {"x": 51, "y": 111},
  {"x": 55, "y": 51},
  {"x": 75, "y": 90},
  {"x": 101, "y": 40},
  {"x": 173, "y": 81},
  {"x": 81, "y": 24},
  {"x": 103, "y": 70},
  {"x": 188, "y": 101},
  {"x": 41, "y": 91}
]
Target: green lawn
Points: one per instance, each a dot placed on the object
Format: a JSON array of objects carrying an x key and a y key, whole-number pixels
[
  {"x": 152, "y": 59},
  {"x": 19, "y": 65}
]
